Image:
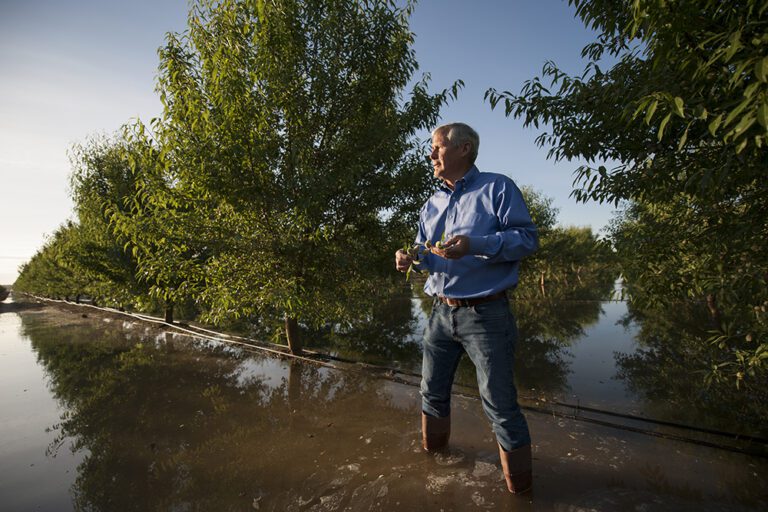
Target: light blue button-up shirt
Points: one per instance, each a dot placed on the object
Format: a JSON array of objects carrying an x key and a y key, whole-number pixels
[{"x": 490, "y": 210}]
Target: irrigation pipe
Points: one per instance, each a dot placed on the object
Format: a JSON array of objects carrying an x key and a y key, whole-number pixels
[
  {"x": 320, "y": 359},
  {"x": 154, "y": 320}
]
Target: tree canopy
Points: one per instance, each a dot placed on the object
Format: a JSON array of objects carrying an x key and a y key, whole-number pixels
[
  {"x": 288, "y": 158},
  {"x": 681, "y": 115},
  {"x": 287, "y": 132},
  {"x": 287, "y": 164},
  {"x": 682, "y": 108}
]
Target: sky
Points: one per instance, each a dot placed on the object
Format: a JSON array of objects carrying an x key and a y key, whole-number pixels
[{"x": 81, "y": 68}]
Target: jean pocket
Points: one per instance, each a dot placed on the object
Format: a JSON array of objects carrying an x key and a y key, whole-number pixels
[{"x": 492, "y": 309}]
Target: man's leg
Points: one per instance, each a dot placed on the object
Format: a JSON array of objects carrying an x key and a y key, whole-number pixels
[
  {"x": 488, "y": 333},
  {"x": 441, "y": 357}
]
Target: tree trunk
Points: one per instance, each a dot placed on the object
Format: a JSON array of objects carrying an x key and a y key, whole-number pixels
[
  {"x": 541, "y": 285},
  {"x": 714, "y": 312},
  {"x": 169, "y": 313},
  {"x": 293, "y": 334},
  {"x": 295, "y": 371}
]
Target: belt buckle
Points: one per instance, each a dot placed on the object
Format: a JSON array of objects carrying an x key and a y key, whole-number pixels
[
  {"x": 454, "y": 303},
  {"x": 457, "y": 303}
]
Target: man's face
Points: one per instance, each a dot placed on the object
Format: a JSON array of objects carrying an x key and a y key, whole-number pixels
[{"x": 448, "y": 161}]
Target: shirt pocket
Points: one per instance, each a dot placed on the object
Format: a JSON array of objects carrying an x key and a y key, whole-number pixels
[{"x": 476, "y": 224}]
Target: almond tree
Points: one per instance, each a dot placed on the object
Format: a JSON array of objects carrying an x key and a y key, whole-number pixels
[
  {"x": 682, "y": 111},
  {"x": 288, "y": 152}
]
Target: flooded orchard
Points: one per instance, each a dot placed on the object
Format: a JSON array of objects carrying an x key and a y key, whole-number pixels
[{"x": 104, "y": 412}]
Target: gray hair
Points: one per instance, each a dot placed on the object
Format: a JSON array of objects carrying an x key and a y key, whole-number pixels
[{"x": 459, "y": 133}]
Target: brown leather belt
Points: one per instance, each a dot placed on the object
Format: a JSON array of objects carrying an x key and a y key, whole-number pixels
[{"x": 458, "y": 303}]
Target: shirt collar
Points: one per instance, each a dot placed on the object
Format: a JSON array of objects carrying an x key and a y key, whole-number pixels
[
  {"x": 472, "y": 173},
  {"x": 465, "y": 180}
]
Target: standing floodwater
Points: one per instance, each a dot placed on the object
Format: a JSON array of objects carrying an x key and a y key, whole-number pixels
[{"x": 109, "y": 414}]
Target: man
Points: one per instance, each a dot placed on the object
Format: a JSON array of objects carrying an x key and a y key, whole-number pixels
[{"x": 487, "y": 230}]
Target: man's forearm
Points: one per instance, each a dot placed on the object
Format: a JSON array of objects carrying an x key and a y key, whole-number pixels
[{"x": 510, "y": 245}]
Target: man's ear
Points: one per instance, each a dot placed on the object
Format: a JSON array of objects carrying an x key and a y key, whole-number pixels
[{"x": 466, "y": 148}]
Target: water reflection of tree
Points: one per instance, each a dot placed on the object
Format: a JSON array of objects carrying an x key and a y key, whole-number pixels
[
  {"x": 546, "y": 328},
  {"x": 548, "y": 324},
  {"x": 391, "y": 334},
  {"x": 670, "y": 367},
  {"x": 383, "y": 336},
  {"x": 169, "y": 429}
]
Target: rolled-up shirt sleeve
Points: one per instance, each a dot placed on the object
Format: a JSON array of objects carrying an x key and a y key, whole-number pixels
[{"x": 517, "y": 236}]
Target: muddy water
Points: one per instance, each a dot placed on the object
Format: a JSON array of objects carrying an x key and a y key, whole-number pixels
[{"x": 106, "y": 414}]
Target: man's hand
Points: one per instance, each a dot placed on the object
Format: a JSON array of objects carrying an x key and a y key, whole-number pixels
[
  {"x": 402, "y": 261},
  {"x": 454, "y": 248}
]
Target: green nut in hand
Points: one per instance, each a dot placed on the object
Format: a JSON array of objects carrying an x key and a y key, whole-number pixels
[{"x": 413, "y": 251}]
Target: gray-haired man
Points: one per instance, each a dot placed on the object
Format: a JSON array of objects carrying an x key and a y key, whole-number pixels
[{"x": 488, "y": 230}]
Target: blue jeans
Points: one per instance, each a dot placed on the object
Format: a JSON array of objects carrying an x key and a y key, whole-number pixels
[{"x": 487, "y": 333}]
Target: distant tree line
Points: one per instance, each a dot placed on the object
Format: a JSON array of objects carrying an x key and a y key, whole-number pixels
[
  {"x": 572, "y": 262},
  {"x": 285, "y": 169},
  {"x": 683, "y": 110}
]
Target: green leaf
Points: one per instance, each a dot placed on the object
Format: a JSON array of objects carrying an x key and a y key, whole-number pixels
[
  {"x": 743, "y": 125},
  {"x": 715, "y": 124},
  {"x": 642, "y": 105},
  {"x": 751, "y": 88},
  {"x": 738, "y": 74},
  {"x": 761, "y": 69},
  {"x": 663, "y": 125},
  {"x": 736, "y": 111},
  {"x": 734, "y": 46},
  {"x": 651, "y": 110},
  {"x": 762, "y": 115},
  {"x": 678, "y": 109}
]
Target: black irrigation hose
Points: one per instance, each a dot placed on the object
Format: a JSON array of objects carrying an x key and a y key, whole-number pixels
[
  {"x": 578, "y": 407},
  {"x": 391, "y": 374},
  {"x": 684, "y": 426},
  {"x": 638, "y": 430},
  {"x": 674, "y": 437}
]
